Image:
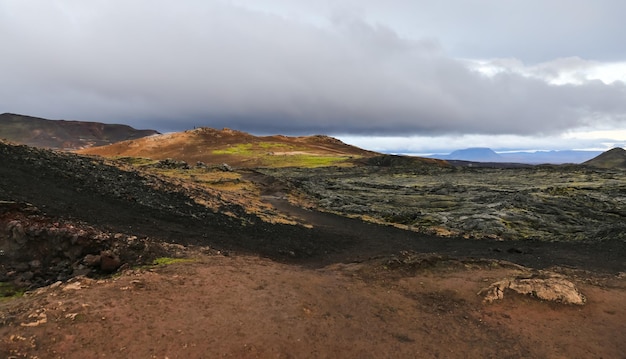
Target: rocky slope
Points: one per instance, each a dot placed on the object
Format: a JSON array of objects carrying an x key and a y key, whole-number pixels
[
  {"x": 613, "y": 158},
  {"x": 97, "y": 193},
  {"x": 60, "y": 134}
]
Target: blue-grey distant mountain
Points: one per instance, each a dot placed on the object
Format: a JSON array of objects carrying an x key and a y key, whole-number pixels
[
  {"x": 552, "y": 157},
  {"x": 476, "y": 154},
  {"x": 539, "y": 157}
]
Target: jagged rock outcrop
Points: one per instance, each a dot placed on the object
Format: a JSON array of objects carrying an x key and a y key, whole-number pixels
[
  {"x": 172, "y": 164},
  {"x": 36, "y": 249},
  {"x": 545, "y": 286}
]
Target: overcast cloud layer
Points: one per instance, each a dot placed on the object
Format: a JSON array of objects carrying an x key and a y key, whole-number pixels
[{"x": 422, "y": 68}]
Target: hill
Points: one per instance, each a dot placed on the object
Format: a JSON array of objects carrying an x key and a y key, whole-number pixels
[
  {"x": 61, "y": 134},
  {"x": 613, "y": 158},
  {"x": 237, "y": 148}
]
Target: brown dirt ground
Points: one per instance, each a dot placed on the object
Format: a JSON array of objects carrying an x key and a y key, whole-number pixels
[{"x": 249, "y": 307}]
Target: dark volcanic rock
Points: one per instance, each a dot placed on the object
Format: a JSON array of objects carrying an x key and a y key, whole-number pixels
[
  {"x": 172, "y": 164},
  {"x": 109, "y": 261},
  {"x": 92, "y": 260},
  {"x": 42, "y": 244},
  {"x": 547, "y": 203},
  {"x": 78, "y": 192}
]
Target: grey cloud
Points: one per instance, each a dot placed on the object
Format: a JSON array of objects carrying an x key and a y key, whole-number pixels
[
  {"x": 531, "y": 30},
  {"x": 210, "y": 63}
]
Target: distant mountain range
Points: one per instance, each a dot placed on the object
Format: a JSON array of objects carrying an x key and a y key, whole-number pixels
[
  {"x": 243, "y": 149},
  {"x": 61, "y": 134},
  {"x": 482, "y": 154}
]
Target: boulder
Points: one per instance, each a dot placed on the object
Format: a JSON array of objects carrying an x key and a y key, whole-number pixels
[
  {"x": 548, "y": 287},
  {"x": 109, "y": 262},
  {"x": 92, "y": 260},
  {"x": 17, "y": 232}
]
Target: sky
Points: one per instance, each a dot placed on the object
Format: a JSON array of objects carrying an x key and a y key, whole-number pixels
[{"x": 395, "y": 76}]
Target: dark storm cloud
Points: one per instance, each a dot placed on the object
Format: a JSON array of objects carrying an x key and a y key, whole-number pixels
[{"x": 172, "y": 66}]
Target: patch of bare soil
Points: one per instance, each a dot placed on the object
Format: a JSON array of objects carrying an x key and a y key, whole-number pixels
[{"x": 248, "y": 307}]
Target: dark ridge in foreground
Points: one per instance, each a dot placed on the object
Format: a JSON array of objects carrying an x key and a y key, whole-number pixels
[{"x": 120, "y": 205}]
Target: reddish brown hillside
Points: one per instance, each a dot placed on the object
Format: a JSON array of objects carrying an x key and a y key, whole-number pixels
[
  {"x": 61, "y": 134},
  {"x": 236, "y": 148}
]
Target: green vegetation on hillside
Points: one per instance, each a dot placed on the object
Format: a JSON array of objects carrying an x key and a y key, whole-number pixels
[
  {"x": 168, "y": 260},
  {"x": 242, "y": 149},
  {"x": 275, "y": 154},
  {"x": 302, "y": 160},
  {"x": 8, "y": 291}
]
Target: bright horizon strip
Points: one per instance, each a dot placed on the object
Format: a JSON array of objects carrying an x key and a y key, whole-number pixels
[
  {"x": 427, "y": 145},
  {"x": 582, "y": 70},
  {"x": 619, "y": 135}
]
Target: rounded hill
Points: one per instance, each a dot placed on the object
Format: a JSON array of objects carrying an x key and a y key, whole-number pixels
[
  {"x": 61, "y": 134},
  {"x": 613, "y": 158},
  {"x": 236, "y": 148}
]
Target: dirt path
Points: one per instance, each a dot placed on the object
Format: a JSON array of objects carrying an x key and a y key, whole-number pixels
[
  {"x": 246, "y": 307},
  {"x": 372, "y": 240}
]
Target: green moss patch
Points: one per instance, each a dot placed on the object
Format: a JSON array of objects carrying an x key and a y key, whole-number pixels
[
  {"x": 243, "y": 149},
  {"x": 302, "y": 160},
  {"x": 8, "y": 291},
  {"x": 168, "y": 260}
]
